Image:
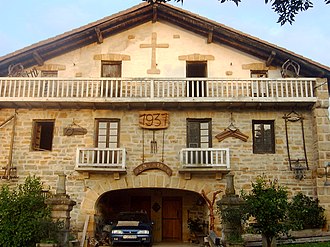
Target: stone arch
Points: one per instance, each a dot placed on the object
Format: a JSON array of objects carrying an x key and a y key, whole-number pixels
[{"x": 146, "y": 180}]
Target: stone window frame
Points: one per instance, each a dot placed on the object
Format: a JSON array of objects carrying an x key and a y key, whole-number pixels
[
  {"x": 42, "y": 134},
  {"x": 265, "y": 144}
]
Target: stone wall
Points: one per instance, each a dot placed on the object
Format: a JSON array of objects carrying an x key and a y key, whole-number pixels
[{"x": 86, "y": 188}]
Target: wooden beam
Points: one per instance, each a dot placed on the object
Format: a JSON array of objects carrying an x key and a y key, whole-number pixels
[
  {"x": 38, "y": 58},
  {"x": 270, "y": 58},
  {"x": 98, "y": 35},
  {"x": 154, "y": 13},
  {"x": 210, "y": 36}
]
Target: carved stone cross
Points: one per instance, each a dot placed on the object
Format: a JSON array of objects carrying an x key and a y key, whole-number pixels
[{"x": 153, "y": 46}]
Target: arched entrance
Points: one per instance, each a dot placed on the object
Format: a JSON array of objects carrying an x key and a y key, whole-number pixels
[{"x": 169, "y": 209}]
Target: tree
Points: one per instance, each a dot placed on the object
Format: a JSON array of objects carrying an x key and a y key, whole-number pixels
[
  {"x": 287, "y": 10},
  {"x": 268, "y": 205},
  {"x": 23, "y": 214}
]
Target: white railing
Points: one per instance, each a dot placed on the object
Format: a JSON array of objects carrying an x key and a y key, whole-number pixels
[
  {"x": 115, "y": 89},
  {"x": 205, "y": 157},
  {"x": 105, "y": 159}
]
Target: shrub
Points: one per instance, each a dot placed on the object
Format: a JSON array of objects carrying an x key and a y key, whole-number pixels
[
  {"x": 306, "y": 212},
  {"x": 23, "y": 214}
]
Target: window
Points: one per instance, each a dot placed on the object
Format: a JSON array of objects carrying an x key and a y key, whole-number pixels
[
  {"x": 107, "y": 135},
  {"x": 259, "y": 73},
  {"x": 199, "y": 136},
  {"x": 199, "y": 133},
  {"x": 195, "y": 70},
  {"x": 107, "y": 139},
  {"x": 111, "y": 69},
  {"x": 42, "y": 135},
  {"x": 49, "y": 73},
  {"x": 263, "y": 136}
]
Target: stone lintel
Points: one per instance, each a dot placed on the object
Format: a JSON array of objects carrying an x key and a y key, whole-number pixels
[
  {"x": 112, "y": 57},
  {"x": 257, "y": 66},
  {"x": 196, "y": 57},
  {"x": 51, "y": 67}
]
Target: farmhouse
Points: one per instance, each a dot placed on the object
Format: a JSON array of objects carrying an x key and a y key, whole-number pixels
[{"x": 150, "y": 108}]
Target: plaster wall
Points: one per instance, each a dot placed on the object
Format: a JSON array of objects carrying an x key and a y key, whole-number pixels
[{"x": 180, "y": 43}]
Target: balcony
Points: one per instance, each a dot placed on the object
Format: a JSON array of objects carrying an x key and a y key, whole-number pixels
[
  {"x": 204, "y": 160},
  {"x": 101, "y": 160},
  {"x": 155, "y": 92},
  {"x": 192, "y": 160}
]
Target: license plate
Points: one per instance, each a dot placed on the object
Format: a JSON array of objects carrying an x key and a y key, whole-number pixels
[{"x": 129, "y": 237}]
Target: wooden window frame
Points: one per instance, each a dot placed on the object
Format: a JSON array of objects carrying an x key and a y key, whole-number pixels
[
  {"x": 104, "y": 63},
  {"x": 97, "y": 129},
  {"x": 261, "y": 147},
  {"x": 200, "y": 120},
  {"x": 42, "y": 134},
  {"x": 49, "y": 73},
  {"x": 259, "y": 73}
]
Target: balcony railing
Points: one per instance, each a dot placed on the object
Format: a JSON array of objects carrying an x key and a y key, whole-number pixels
[
  {"x": 100, "y": 159},
  {"x": 205, "y": 158},
  {"x": 156, "y": 89}
]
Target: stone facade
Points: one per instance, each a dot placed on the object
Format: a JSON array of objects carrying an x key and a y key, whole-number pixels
[{"x": 90, "y": 189}]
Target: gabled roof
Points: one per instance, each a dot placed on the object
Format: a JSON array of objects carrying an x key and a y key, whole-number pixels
[{"x": 144, "y": 12}]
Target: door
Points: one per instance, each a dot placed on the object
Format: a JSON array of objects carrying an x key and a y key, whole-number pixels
[
  {"x": 197, "y": 88},
  {"x": 111, "y": 69},
  {"x": 172, "y": 219}
]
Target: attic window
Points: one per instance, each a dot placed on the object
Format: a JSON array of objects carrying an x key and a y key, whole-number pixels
[
  {"x": 259, "y": 73},
  {"x": 49, "y": 73},
  {"x": 111, "y": 69}
]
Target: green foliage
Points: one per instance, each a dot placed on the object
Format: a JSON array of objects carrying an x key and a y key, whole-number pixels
[
  {"x": 306, "y": 212},
  {"x": 233, "y": 215},
  {"x": 195, "y": 225},
  {"x": 23, "y": 214},
  {"x": 268, "y": 205},
  {"x": 287, "y": 10}
]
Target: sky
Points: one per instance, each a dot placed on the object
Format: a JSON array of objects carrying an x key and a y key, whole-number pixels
[{"x": 25, "y": 22}]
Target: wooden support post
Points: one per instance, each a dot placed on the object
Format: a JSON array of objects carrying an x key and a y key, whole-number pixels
[
  {"x": 210, "y": 36},
  {"x": 38, "y": 58},
  {"x": 98, "y": 35},
  {"x": 154, "y": 13},
  {"x": 270, "y": 58}
]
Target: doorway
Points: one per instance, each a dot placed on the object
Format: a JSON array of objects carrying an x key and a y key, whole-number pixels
[
  {"x": 196, "y": 88},
  {"x": 172, "y": 219}
]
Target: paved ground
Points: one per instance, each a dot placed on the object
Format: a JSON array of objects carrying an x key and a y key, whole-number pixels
[{"x": 176, "y": 245}]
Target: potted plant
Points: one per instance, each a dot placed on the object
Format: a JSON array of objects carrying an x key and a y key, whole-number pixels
[{"x": 196, "y": 227}]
